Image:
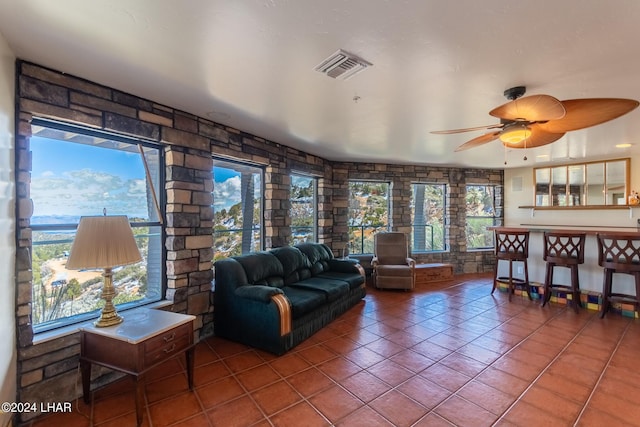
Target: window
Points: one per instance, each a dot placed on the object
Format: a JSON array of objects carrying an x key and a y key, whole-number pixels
[
  {"x": 237, "y": 208},
  {"x": 428, "y": 217},
  {"x": 483, "y": 210},
  {"x": 79, "y": 172},
  {"x": 303, "y": 211},
  {"x": 368, "y": 214}
]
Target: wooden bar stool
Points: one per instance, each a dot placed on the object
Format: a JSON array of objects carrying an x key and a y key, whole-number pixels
[
  {"x": 512, "y": 245},
  {"x": 619, "y": 253},
  {"x": 563, "y": 249}
]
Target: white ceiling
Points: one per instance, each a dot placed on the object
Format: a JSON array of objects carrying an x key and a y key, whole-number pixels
[{"x": 437, "y": 64}]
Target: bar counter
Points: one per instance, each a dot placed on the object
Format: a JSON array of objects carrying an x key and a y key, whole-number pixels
[{"x": 590, "y": 273}]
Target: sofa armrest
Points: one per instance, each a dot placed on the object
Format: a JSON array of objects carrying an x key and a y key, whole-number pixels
[
  {"x": 343, "y": 265},
  {"x": 257, "y": 292}
]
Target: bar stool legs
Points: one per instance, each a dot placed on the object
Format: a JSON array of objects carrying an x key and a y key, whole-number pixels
[
  {"x": 608, "y": 294},
  {"x": 512, "y": 281},
  {"x": 563, "y": 249},
  {"x": 575, "y": 285},
  {"x": 511, "y": 245},
  {"x": 619, "y": 253}
]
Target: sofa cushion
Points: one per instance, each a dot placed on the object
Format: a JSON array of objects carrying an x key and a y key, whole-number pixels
[
  {"x": 318, "y": 255},
  {"x": 331, "y": 288},
  {"x": 262, "y": 268},
  {"x": 302, "y": 300},
  {"x": 394, "y": 270},
  {"x": 295, "y": 264},
  {"x": 353, "y": 279}
]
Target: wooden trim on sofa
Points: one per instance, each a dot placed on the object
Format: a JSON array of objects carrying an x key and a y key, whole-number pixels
[
  {"x": 361, "y": 270},
  {"x": 285, "y": 313}
]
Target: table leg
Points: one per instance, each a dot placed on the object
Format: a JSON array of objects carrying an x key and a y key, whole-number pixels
[
  {"x": 139, "y": 379},
  {"x": 190, "y": 353},
  {"x": 85, "y": 372}
]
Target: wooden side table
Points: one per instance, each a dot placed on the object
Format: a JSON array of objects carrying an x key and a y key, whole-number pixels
[{"x": 145, "y": 338}]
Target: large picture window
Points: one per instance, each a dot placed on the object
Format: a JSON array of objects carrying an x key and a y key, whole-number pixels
[
  {"x": 428, "y": 217},
  {"x": 368, "y": 214},
  {"x": 483, "y": 210},
  {"x": 237, "y": 208},
  {"x": 79, "y": 172},
  {"x": 303, "y": 212}
]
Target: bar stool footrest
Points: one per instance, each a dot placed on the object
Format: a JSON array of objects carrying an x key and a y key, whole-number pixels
[
  {"x": 514, "y": 280},
  {"x": 630, "y": 299},
  {"x": 562, "y": 288}
]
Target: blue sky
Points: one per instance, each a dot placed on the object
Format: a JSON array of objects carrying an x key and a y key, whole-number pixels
[
  {"x": 70, "y": 178},
  {"x": 58, "y": 156},
  {"x": 77, "y": 179}
]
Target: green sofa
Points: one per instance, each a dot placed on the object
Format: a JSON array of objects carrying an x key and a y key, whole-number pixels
[{"x": 273, "y": 300}]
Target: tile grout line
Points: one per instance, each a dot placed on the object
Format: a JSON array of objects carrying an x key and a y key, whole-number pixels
[
  {"x": 432, "y": 410},
  {"x": 595, "y": 386},
  {"x": 533, "y": 381}
]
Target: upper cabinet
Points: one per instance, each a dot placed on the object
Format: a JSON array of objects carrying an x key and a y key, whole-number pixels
[{"x": 604, "y": 183}]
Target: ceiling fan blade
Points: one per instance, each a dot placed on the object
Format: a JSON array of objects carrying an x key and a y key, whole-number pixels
[
  {"x": 584, "y": 113},
  {"x": 480, "y": 140},
  {"x": 534, "y": 108},
  {"x": 538, "y": 138},
  {"x": 448, "y": 132}
]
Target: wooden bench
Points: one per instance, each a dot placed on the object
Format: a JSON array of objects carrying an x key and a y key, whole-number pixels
[{"x": 426, "y": 273}]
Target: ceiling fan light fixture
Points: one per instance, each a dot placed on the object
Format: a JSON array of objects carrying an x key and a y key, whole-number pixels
[{"x": 515, "y": 134}]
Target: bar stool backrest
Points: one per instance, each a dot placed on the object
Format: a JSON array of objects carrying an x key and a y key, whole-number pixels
[
  {"x": 564, "y": 247},
  {"x": 512, "y": 244},
  {"x": 619, "y": 251}
]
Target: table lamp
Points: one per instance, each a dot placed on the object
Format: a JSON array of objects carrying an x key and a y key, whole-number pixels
[{"x": 104, "y": 242}]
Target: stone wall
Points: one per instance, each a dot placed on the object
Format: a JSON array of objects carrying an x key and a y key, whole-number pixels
[
  {"x": 48, "y": 371},
  {"x": 401, "y": 177}
]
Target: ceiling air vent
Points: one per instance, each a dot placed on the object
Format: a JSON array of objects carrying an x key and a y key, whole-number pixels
[{"x": 342, "y": 65}]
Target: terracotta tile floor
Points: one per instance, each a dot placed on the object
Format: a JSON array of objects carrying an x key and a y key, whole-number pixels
[{"x": 447, "y": 354}]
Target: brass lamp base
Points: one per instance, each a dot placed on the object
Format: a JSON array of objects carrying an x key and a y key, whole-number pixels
[
  {"x": 109, "y": 315},
  {"x": 108, "y": 319}
]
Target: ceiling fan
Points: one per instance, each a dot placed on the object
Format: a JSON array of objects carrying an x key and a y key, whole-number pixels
[{"x": 537, "y": 120}]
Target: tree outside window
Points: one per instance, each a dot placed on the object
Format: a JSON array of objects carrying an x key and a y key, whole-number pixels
[
  {"x": 368, "y": 214},
  {"x": 303, "y": 212},
  {"x": 237, "y": 208},
  {"x": 428, "y": 217},
  {"x": 483, "y": 210}
]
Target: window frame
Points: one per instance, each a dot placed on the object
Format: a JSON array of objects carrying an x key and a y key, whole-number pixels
[
  {"x": 314, "y": 203},
  {"x": 445, "y": 219},
  {"x": 385, "y": 227},
  {"x": 241, "y": 163},
  {"x": 72, "y": 227},
  {"x": 495, "y": 217}
]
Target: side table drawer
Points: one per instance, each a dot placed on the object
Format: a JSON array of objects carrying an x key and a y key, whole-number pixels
[{"x": 167, "y": 344}]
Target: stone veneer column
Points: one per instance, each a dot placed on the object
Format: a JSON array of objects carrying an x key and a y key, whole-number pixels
[
  {"x": 277, "y": 189},
  {"x": 189, "y": 243}
]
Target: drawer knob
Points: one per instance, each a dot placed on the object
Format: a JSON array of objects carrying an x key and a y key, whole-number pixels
[
  {"x": 170, "y": 349},
  {"x": 170, "y": 337}
]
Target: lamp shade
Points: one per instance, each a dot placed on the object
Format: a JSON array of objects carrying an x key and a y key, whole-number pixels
[{"x": 103, "y": 242}]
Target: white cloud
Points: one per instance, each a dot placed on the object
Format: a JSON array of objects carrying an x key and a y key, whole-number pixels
[
  {"x": 226, "y": 193},
  {"x": 87, "y": 192}
]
